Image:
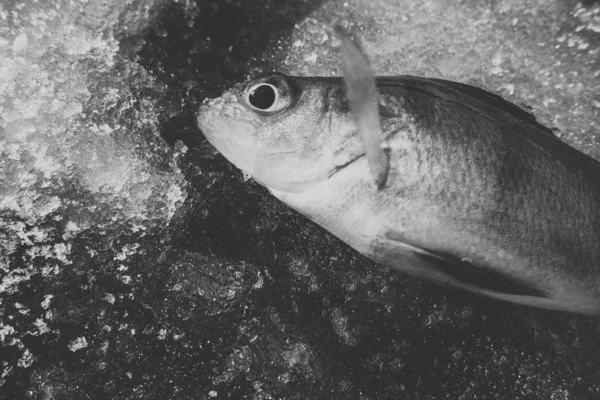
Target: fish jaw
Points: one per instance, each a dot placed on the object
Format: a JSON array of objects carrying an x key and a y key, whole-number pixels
[
  {"x": 289, "y": 150},
  {"x": 230, "y": 128}
]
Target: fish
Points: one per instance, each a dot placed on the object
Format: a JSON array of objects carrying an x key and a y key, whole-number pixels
[{"x": 477, "y": 195}]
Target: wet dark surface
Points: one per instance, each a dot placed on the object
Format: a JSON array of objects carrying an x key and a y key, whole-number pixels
[
  {"x": 201, "y": 53},
  {"x": 231, "y": 294}
]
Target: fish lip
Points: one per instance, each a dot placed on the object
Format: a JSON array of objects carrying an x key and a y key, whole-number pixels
[
  {"x": 202, "y": 110},
  {"x": 202, "y": 117}
]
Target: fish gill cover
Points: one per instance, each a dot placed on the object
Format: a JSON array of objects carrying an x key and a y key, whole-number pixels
[{"x": 136, "y": 265}]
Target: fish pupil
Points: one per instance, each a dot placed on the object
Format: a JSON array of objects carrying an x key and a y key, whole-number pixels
[{"x": 262, "y": 97}]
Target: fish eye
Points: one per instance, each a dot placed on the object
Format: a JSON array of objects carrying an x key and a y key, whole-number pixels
[
  {"x": 262, "y": 96},
  {"x": 268, "y": 96}
]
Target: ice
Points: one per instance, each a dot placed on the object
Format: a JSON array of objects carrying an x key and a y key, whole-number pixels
[
  {"x": 78, "y": 344},
  {"x": 79, "y": 148},
  {"x": 135, "y": 281},
  {"x": 51, "y": 118},
  {"x": 20, "y": 44}
]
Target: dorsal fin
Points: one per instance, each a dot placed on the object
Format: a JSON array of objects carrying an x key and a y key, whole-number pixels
[{"x": 472, "y": 97}]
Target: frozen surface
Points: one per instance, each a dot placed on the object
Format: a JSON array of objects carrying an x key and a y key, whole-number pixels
[
  {"x": 136, "y": 265},
  {"x": 84, "y": 173}
]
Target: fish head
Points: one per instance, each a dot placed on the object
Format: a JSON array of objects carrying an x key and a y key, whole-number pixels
[{"x": 288, "y": 133}]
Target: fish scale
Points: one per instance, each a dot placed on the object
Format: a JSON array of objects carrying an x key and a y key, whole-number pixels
[{"x": 479, "y": 196}]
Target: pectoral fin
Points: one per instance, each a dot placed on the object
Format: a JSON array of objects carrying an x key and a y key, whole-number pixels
[
  {"x": 450, "y": 270},
  {"x": 364, "y": 104},
  {"x": 470, "y": 274},
  {"x": 547, "y": 290}
]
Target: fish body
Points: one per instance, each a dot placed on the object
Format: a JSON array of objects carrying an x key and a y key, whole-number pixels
[{"x": 478, "y": 195}]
